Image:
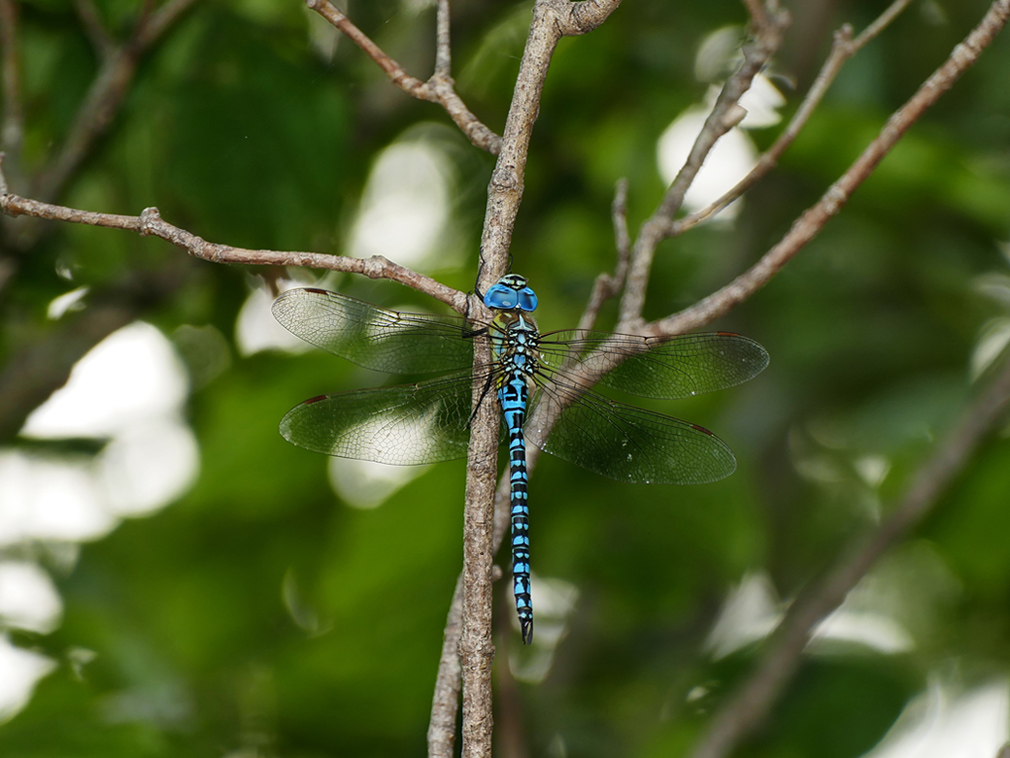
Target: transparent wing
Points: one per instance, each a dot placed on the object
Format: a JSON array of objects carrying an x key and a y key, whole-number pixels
[
  {"x": 373, "y": 337},
  {"x": 626, "y": 443},
  {"x": 405, "y": 426},
  {"x": 671, "y": 367}
]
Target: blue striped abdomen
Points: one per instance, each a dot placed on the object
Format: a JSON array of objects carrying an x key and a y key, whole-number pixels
[
  {"x": 514, "y": 397},
  {"x": 516, "y": 349}
]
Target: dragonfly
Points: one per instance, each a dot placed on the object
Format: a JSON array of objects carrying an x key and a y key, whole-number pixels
[{"x": 429, "y": 421}]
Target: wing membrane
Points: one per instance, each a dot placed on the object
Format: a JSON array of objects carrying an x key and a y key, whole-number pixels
[
  {"x": 673, "y": 367},
  {"x": 629, "y": 444},
  {"x": 405, "y": 425},
  {"x": 373, "y": 337}
]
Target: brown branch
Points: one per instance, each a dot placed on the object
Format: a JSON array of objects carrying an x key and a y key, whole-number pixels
[
  {"x": 150, "y": 223},
  {"x": 438, "y": 89},
  {"x": 97, "y": 111},
  {"x": 552, "y": 19},
  {"x": 609, "y": 285},
  {"x": 476, "y": 649},
  {"x": 445, "y": 703},
  {"x": 443, "y": 45},
  {"x": 724, "y": 116},
  {"x": 93, "y": 27},
  {"x": 813, "y": 220},
  {"x": 745, "y": 710},
  {"x": 843, "y": 48},
  {"x": 504, "y": 196},
  {"x": 582, "y": 17},
  {"x": 153, "y": 25},
  {"x": 756, "y": 9}
]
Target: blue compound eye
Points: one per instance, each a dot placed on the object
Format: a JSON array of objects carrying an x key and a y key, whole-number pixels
[
  {"x": 527, "y": 299},
  {"x": 501, "y": 297},
  {"x": 511, "y": 293}
]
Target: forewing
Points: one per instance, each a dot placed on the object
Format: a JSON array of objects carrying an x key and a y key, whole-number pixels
[
  {"x": 672, "y": 367},
  {"x": 373, "y": 337}
]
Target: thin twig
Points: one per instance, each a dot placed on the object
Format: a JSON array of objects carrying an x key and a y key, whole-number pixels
[
  {"x": 813, "y": 220},
  {"x": 843, "y": 48},
  {"x": 724, "y": 116},
  {"x": 98, "y": 109},
  {"x": 445, "y": 703},
  {"x": 439, "y": 89},
  {"x": 755, "y": 699},
  {"x": 757, "y": 13},
  {"x": 150, "y": 223},
  {"x": 882, "y": 22},
  {"x": 504, "y": 196},
  {"x": 609, "y": 285},
  {"x": 552, "y": 19},
  {"x": 443, "y": 41},
  {"x": 156, "y": 24},
  {"x": 91, "y": 20}
]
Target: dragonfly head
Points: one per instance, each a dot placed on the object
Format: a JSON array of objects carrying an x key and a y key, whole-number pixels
[{"x": 510, "y": 293}]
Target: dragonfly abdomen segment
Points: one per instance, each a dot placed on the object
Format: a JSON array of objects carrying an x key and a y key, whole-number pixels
[
  {"x": 514, "y": 396},
  {"x": 515, "y": 348}
]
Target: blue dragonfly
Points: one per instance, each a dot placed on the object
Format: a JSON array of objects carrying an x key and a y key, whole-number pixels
[{"x": 429, "y": 421}]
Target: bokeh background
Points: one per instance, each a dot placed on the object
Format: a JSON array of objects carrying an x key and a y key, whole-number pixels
[{"x": 175, "y": 579}]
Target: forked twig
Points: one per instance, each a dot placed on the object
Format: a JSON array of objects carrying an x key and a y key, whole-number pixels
[
  {"x": 725, "y": 114},
  {"x": 610, "y": 285},
  {"x": 843, "y": 48},
  {"x": 962, "y": 57},
  {"x": 438, "y": 89}
]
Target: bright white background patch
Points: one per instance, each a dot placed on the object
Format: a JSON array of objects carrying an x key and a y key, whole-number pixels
[{"x": 129, "y": 392}]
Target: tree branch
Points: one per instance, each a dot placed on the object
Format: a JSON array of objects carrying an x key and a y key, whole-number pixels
[
  {"x": 438, "y": 89},
  {"x": 150, "y": 224},
  {"x": 610, "y": 285},
  {"x": 445, "y": 703},
  {"x": 96, "y": 113},
  {"x": 843, "y": 48},
  {"x": 743, "y": 712},
  {"x": 552, "y": 19},
  {"x": 443, "y": 45},
  {"x": 92, "y": 23},
  {"x": 813, "y": 220},
  {"x": 726, "y": 114}
]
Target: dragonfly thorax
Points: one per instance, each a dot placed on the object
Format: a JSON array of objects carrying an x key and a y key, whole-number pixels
[{"x": 515, "y": 342}]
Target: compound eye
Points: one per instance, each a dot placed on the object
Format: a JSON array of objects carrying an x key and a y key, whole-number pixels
[
  {"x": 527, "y": 299},
  {"x": 500, "y": 297}
]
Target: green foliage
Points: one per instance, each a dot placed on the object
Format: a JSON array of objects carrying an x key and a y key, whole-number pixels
[{"x": 259, "y": 612}]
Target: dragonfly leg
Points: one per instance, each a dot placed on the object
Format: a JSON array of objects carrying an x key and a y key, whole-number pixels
[{"x": 483, "y": 393}]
